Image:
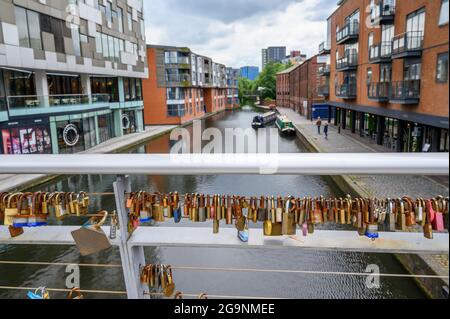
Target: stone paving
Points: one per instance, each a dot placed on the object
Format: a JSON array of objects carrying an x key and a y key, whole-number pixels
[{"x": 375, "y": 186}]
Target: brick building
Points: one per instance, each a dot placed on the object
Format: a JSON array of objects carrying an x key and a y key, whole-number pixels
[
  {"x": 299, "y": 86},
  {"x": 184, "y": 86},
  {"x": 388, "y": 72}
]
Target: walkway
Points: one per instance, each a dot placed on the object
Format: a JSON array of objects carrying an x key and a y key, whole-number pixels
[
  {"x": 114, "y": 145},
  {"x": 374, "y": 186}
]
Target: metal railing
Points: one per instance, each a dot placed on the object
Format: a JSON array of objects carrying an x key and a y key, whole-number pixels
[
  {"x": 101, "y": 98},
  {"x": 409, "y": 41},
  {"x": 346, "y": 90},
  {"x": 324, "y": 70},
  {"x": 68, "y": 99},
  {"x": 131, "y": 246},
  {"x": 25, "y": 101},
  {"x": 324, "y": 47},
  {"x": 405, "y": 91},
  {"x": 177, "y": 78},
  {"x": 351, "y": 29},
  {"x": 348, "y": 61},
  {"x": 380, "y": 51},
  {"x": 178, "y": 60},
  {"x": 379, "y": 90}
]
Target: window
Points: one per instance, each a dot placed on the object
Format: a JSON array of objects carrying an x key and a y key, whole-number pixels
[
  {"x": 98, "y": 43},
  {"x": 120, "y": 19},
  {"x": 35, "y": 30},
  {"x": 130, "y": 21},
  {"x": 415, "y": 26},
  {"x": 21, "y": 22},
  {"x": 28, "y": 27},
  {"x": 370, "y": 40},
  {"x": 76, "y": 40},
  {"x": 176, "y": 110},
  {"x": 442, "y": 68},
  {"x": 385, "y": 73},
  {"x": 369, "y": 76},
  {"x": 443, "y": 18},
  {"x": 412, "y": 70},
  {"x": 109, "y": 13}
]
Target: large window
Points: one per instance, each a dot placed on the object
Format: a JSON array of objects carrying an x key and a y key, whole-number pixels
[
  {"x": 61, "y": 85},
  {"x": 26, "y": 139},
  {"x": 105, "y": 127},
  {"x": 415, "y": 26},
  {"x": 129, "y": 122},
  {"x": 132, "y": 89},
  {"x": 176, "y": 110},
  {"x": 442, "y": 68},
  {"x": 56, "y": 27},
  {"x": 385, "y": 73},
  {"x": 2, "y": 93},
  {"x": 120, "y": 19},
  {"x": 412, "y": 70},
  {"x": 130, "y": 21},
  {"x": 19, "y": 83},
  {"x": 70, "y": 136},
  {"x": 107, "y": 86},
  {"x": 29, "y": 28},
  {"x": 443, "y": 18},
  {"x": 109, "y": 46},
  {"x": 76, "y": 39}
]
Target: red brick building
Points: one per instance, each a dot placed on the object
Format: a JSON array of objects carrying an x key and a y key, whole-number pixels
[
  {"x": 389, "y": 72},
  {"x": 303, "y": 90}
]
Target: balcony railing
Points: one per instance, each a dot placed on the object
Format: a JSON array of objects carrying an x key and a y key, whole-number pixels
[
  {"x": 324, "y": 48},
  {"x": 379, "y": 91},
  {"x": 324, "y": 70},
  {"x": 383, "y": 12},
  {"x": 349, "y": 33},
  {"x": 324, "y": 91},
  {"x": 405, "y": 92},
  {"x": 381, "y": 52},
  {"x": 40, "y": 101},
  {"x": 408, "y": 44},
  {"x": 348, "y": 62},
  {"x": 346, "y": 91},
  {"x": 178, "y": 60},
  {"x": 178, "y": 78}
]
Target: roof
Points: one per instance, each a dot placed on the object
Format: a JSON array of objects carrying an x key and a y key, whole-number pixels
[{"x": 292, "y": 68}]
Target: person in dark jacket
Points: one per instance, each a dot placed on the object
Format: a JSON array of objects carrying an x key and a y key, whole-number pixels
[{"x": 325, "y": 130}]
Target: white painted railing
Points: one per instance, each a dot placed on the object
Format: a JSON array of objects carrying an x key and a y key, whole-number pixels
[{"x": 132, "y": 247}]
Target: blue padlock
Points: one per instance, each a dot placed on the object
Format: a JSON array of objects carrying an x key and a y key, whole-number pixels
[{"x": 372, "y": 231}]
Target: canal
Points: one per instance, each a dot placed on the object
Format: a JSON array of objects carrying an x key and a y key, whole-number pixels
[{"x": 271, "y": 284}]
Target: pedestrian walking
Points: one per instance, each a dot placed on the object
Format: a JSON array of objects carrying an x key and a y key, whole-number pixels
[
  {"x": 319, "y": 124},
  {"x": 325, "y": 130}
]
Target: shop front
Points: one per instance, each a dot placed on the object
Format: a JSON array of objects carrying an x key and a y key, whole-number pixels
[
  {"x": 394, "y": 134},
  {"x": 26, "y": 137}
]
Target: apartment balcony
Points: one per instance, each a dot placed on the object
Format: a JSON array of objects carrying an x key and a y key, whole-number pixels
[
  {"x": 347, "y": 63},
  {"x": 383, "y": 12},
  {"x": 324, "y": 70},
  {"x": 346, "y": 91},
  {"x": 178, "y": 80},
  {"x": 405, "y": 92},
  {"x": 324, "y": 91},
  {"x": 380, "y": 53},
  {"x": 348, "y": 34},
  {"x": 379, "y": 91},
  {"x": 409, "y": 44},
  {"x": 179, "y": 62},
  {"x": 324, "y": 48},
  {"x": 37, "y": 101}
]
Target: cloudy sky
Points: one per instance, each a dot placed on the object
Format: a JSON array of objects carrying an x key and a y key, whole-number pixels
[{"x": 233, "y": 32}]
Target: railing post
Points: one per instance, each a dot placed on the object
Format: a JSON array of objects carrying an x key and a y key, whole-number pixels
[{"x": 121, "y": 187}]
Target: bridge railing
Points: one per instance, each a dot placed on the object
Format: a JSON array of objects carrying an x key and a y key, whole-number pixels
[{"x": 132, "y": 247}]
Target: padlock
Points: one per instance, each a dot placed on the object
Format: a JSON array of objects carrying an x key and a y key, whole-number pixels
[
  {"x": 317, "y": 215},
  {"x": 428, "y": 227},
  {"x": 201, "y": 209},
  {"x": 170, "y": 285},
  {"x": 262, "y": 210},
  {"x": 410, "y": 213},
  {"x": 401, "y": 217},
  {"x": 90, "y": 238},
  {"x": 216, "y": 225},
  {"x": 23, "y": 217},
  {"x": 177, "y": 216},
  {"x": 419, "y": 210},
  {"x": 75, "y": 293},
  {"x": 218, "y": 208},
  {"x": 310, "y": 228},
  {"x": 288, "y": 226},
  {"x": 342, "y": 212},
  {"x": 279, "y": 210},
  {"x": 229, "y": 219},
  {"x": 372, "y": 231},
  {"x": 438, "y": 222},
  {"x": 223, "y": 207},
  {"x": 213, "y": 208},
  {"x": 142, "y": 208},
  {"x": 157, "y": 208},
  {"x": 305, "y": 230},
  {"x": 36, "y": 209},
  {"x": 114, "y": 224},
  {"x": 391, "y": 218}
]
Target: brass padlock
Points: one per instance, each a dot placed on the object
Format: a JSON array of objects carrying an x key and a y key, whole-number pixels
[
  {"x": 262, "y": 210},
  {"x": 288, "y": 224},
  {"x": 201, "y": 209},
  {"x": 229, "y": 219},
  {"x": 91, "y": 239}
]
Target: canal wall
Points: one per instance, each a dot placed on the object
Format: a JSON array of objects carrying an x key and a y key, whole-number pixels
[{"x": 413, "y": 264}]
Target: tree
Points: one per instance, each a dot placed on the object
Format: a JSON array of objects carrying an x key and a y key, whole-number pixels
[{"x": 267, "y": 79}]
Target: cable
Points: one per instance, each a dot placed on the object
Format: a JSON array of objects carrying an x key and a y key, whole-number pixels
[
  {"x": 217, "y": 296},
  {"x": 106, "y": 292},
  {"x": 57, "y": 264}
]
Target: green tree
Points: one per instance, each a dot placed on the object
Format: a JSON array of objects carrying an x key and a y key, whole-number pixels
[
  {"x": 267, "y": 80},
  {"x": 246, "y": 87}
]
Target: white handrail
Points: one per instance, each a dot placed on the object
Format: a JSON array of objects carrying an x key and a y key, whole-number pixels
[{"x": 212, "y": 164}]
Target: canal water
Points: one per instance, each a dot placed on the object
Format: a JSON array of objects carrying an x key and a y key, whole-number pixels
[{"x": 271, "y": 284}]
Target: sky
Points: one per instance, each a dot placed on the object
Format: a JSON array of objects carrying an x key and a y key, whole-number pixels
[{"x": 233, "y": 32}]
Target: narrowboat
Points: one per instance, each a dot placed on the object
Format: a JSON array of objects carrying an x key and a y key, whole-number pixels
[
  {"x": 285, "y": 125},
  {"x": 264, "y": 120}
]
